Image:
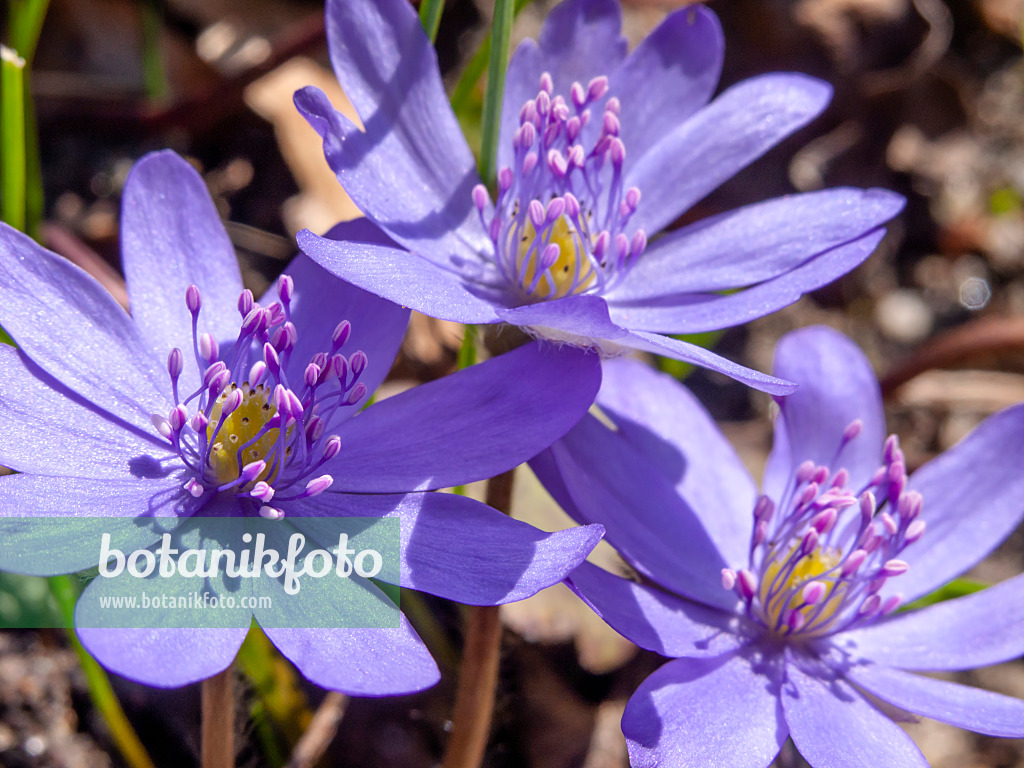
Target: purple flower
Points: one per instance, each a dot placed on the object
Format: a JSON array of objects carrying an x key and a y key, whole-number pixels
[
  {"x": 598, "y": 152},
  {"x": 778, "y": 610},
  {"x": 208, "y": 402}
]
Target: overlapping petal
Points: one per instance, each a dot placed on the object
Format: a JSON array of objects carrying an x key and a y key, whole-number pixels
[
  {"x": 172, "y": 237},
  {"x": 488, "y": 418},
  {"x": 494, "y": 559},
  {"x": 369, "y": 259},
  {"x": 960, "y": 705},
  {"x": 47, "y": 429},
  {"x": 973, "y": 499},
  {"x": 834, "y": 726},
  {"x": 321, "y": 301},
  {"x": 737, "y": 127},
  {"x": 657, "y": 532},
  {"x": 69, "y": 326},
  {"x": 717, "y": 711},
  {"x": 410, "y": 169},
  {"x": 700, "y": 312},
  {"x": 670, "y": 75},
  {"x": 973, "y": 631},
  {"x": 837, "y": 387},
  {"x": 578, "y": 319},
  {"x": 673, "y": 431},
  {"x": 756, "y": 243},
  {"x": 656, "y": 620}
]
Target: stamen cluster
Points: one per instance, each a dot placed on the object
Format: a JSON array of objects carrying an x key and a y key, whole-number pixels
[
  {"x": 247, "y": 429},
  {"x": 819, "y": 558},
  {"x": 560, "y": 217}
]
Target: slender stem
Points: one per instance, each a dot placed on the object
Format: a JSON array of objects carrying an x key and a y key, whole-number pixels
[
  {"x": 430, "y": 16},
  {"x": 218, "y": 729},
  {"x": 154, "y": 74},
  {"x": 12, "y": 138},
  {"x": 25, "y": 22},
  {"x": 321, "y": 731},
  {"x": 478, "y": 677},
  {"x": 467, "y": 350},
  {"x": 501, "y": 36},
  {"x": 102, "y": 694},
  {"x": 475, "y": 69}
]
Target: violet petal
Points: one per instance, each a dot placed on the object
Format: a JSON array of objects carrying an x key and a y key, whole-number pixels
[
  {"x": 963, "y": 706},
  {"x": 400, "y": 276},
  {"x": 172, "y": 237},
  {"x": 483, "y": 425},
  {"x": 718, "y": 711},
  {"x": 737, "y": 127}
]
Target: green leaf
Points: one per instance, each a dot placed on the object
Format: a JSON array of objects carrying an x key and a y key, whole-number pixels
[
  {"x": 12, "y": 138},
  {"x": 501, "y": 38},
  {"x": 954, "y": 589},
  {"x": 430, "y": 17}
]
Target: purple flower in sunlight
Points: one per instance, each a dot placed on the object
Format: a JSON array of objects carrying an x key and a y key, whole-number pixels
[
  {"x": 598, "y": 152},
  {"x": 779, "y": 609},
  {"x": 206, "y": 401}
]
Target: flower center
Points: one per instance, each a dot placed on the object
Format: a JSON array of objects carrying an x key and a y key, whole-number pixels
[
  {"x": 559, "y": 222},
  {"x": 263, "y": 439},
  {"x": 819, "y": 558},
  {"x": 242, "y": 433}
]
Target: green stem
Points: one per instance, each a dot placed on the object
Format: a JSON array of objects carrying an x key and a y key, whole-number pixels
[
  {"x": 467, "y": 350},
  {"x": 153, "y": 74},
  {"x": 12, "y": 138},
  {"x": 430, "y": 17},
  {"x": 25, "y": 22},
  {"x": 463, "y": 93},
  {"x": 103, "y": 696},
  {"x": 501, "y": 36}
]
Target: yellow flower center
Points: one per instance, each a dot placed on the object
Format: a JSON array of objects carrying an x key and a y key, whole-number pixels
[
  {"x": 240, "y": 427},
  {"x": 780, "y": 594},
  {"x": 571, "y": 267}
]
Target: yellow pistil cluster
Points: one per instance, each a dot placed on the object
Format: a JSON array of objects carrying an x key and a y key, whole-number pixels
[
  {"x": 239, "y": 428},
  {"x": 563, "y": 271},
  {"x": 777, "y": 601}
]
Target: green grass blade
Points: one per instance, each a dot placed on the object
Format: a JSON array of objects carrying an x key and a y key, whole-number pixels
[
  {"x": 462, "y": 96},
  {"x": 501, "y": 37},
  {"x": 954, "y": 589},
  {"x": 430, "y": 17},
  {"x": 153, "y": 73},
  {"x": 12, "y": 138},
  {"x": 25, "y": 22}
]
